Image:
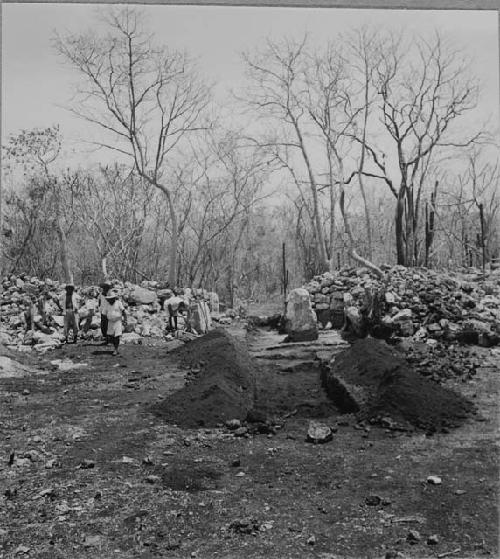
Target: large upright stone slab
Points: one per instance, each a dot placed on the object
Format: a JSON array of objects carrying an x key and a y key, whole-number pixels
[
  {"x": 200, "y": 319},
  {"x": 300, "y": 321}
]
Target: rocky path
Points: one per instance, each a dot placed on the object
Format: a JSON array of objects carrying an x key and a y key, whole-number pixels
[
  {"x": 267, "y": 347},
  {"x": 288, "y": 375}
]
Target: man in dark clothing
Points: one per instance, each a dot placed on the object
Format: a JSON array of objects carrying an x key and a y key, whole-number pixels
[
  {"x": 69, "y": 306},
  {"x": 103, "y": 305}
]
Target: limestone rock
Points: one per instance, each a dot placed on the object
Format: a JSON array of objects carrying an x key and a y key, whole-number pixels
[
  {"x": 300, "y": 320},
  {"x": 141, "y": 296},
  {"x": 319, "y": 432},
  {"x": 130, "y": 338},
  {"x": 200, "y": 319}
]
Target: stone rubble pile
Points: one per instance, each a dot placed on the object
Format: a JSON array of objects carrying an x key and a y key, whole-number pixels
[
  {"x": 415, "y": 302},
  {"x": 440, "y": 362},
  {"x": 146, "y": 315}
]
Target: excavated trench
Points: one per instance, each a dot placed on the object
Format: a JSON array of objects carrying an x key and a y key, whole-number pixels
[
  {"x": 256, "y": 374},
  {"x": 230, "y": 376}
]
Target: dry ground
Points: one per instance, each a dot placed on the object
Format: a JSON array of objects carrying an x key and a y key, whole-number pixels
[{"x": 88, "y": 472}]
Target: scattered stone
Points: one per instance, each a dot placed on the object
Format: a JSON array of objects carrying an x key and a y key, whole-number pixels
[
  {"x": 10, "y": 368},
  {"x": 10, "y": 493},
  {"x": 131, "y": 338},
  {"x": 233, "y": 424},
  {"x": 311, "y": 540},
  {"x": 392, "y": 554},
  {"x": 240, "y": 432},
  {"x": 86, "y": 464},
  {"x": 434, "y": 480},
  {"x": 244, "y": 526},
  {"x": 413, "y": 536},
  {"x": 373, "y": 500},
  {"x": 152, "y": 479},
  {"x": 93, "y": 541},
  {"x": 319, "y": 432},
  {"x": 419, "y": 519},
  {"x": 433, "y": 540},
  {"x": 460, "y": 492},
  {"x": 49, "y": 492}
]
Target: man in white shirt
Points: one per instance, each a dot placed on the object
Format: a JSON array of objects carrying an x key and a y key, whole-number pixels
[{"x": 174, "y": 305}]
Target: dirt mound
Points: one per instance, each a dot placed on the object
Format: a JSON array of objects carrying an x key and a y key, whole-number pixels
[
  {"x": 370, "y": 378},
  {"x": 223, "y": 386}
]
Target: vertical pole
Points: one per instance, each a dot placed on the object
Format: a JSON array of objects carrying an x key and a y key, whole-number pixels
[
  {"x": 483, "y": 248},
  {"x": 285, "y": 278}
]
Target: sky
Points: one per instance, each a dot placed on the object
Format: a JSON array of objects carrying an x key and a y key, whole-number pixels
[{"x": 36, "y": 85}]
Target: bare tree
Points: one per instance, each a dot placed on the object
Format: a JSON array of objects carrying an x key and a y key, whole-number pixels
[
  {"x": 146, "y": 99},
  {"x": 469, "y": 212},
  {"x": 112, "y": 207},
  {"x": 230, "y": 177},
  {"x": 330, "y": 106},
  {"x": 36, "y": 150},
  {"x": 277, "y": 93},
  {"x": 423, "y": 88}
]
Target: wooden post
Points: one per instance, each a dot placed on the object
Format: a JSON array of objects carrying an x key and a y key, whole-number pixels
[
  {"x": 285, "y": 278},
  {"x": 483, "y": 248}
]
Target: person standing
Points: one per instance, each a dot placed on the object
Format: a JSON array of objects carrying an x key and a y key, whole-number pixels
[
  {"x": 103, "y": 306},
  {"x": 174, "y": 305},
  {"x": 116, "y": 316},
  {"x": 69, "y": 307},
  {"x": 30, "y": 313}
]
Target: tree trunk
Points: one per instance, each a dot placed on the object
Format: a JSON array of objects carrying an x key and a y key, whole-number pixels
[
  {"x": 399, "y": 227},
  {"x": 429, "y": 225},
  {"x": 352, "y": 251},
  {"x": 314, "y": 191},
  {"x": 104, "y": 267},
  {"x": 174, "y": 240},
  {"x": 68, "y": 276},
  {"x": 361, "y": 168},
  {"x": 332, "y": 211},
  {"x": 410, "y": 233}
]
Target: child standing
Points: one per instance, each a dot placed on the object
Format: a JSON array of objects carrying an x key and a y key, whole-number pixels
[{"x": 116, "y": 317}]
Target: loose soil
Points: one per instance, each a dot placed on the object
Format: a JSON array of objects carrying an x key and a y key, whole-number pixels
[
  {"x": 372, "y": 379},
  {"x": 89, "y": 471},
  {"x": 223, "y": 386}
]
